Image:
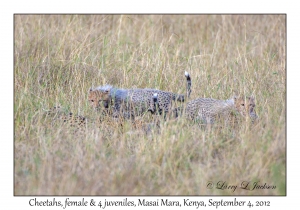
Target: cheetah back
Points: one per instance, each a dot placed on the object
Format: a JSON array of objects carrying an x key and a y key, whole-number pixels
[
  {"x": 207, "y": 109},
  {"x": 142, "y": 100}
]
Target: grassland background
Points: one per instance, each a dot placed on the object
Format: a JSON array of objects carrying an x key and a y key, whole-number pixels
[{"x": 57, "y": 58}]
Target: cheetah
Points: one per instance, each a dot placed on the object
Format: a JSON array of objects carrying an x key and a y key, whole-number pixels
[
  {"x": 128, "y": 103},
  {"x": 58, "y": 115},
  {"x": 78, "y": 125},
  {"x": 208, "y": 110},
  {"x": 245, "y": 106}
]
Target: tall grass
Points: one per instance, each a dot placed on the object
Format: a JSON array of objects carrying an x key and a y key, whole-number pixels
[{"x": 59, "y": 57}]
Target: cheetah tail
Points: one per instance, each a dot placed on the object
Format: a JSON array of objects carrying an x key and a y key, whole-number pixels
[{"x": 189, "y": 84}]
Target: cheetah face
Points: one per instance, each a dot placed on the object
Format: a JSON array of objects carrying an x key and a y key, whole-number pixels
[
  {"x": 95, "y": 98},
  {"x": 245, "y": 106}
]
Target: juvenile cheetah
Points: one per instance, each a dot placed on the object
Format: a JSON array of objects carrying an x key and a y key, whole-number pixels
[
  {"x": 58, "y": 114},
  {"x": 245, "y": 106},
  {"x": 208, "y": 110},
  {"x": 128, "y": 103},
  {"x": 78, "y": 124}
]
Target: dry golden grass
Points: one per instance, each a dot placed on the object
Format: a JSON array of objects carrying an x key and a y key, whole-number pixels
[{"x": 59, "y": 57}]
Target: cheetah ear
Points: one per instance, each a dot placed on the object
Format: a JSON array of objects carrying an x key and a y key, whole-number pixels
[
  {"x": 250, "y": 98},
  {"x": 235, "y": 94},
  {"x": 91, "y": 89}
]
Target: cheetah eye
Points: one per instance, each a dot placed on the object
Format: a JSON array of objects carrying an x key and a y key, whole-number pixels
[
  {"x": 243, "y": 104},
  {"x": 92, "y": 100}
]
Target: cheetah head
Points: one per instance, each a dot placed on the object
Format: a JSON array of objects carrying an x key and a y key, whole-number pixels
[
  {"x": 245, "y": 106},
  {"x": 97, "y": 96}
]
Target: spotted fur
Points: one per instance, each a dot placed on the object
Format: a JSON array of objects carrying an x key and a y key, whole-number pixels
[
  {"x": 57, "y": 114},
  {"x": 133, "y": 102},
  {"x": 130, "y": 102},
  {"x": 208, "y": 110}
]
